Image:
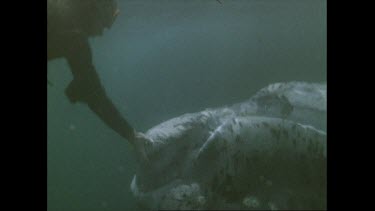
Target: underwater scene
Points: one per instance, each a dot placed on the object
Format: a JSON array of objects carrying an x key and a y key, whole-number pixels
[{"x": 186, "y": 105}]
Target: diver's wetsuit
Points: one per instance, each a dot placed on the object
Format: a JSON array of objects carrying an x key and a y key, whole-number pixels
[{"x": 86, "y": 86}]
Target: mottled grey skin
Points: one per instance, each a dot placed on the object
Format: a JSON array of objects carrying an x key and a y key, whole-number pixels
[{"x": 242, "y": 151}]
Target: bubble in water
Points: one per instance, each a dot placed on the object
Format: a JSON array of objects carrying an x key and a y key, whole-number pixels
[
  {"x": 72, "y": 127},
  {"x": 104, "y": 204}
]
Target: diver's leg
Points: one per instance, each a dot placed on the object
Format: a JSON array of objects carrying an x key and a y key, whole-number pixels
[
  {"x": 100, "y": 104},
  {"x": 97, "y": 100},
  {"x": 104, "y": 108},
  {"x": 86, "y": 87}
]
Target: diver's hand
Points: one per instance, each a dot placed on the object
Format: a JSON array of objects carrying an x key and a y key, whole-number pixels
[{"x": 139, "y": 141}]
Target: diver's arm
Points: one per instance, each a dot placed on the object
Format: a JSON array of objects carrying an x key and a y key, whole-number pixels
[{"x": 87, "y": 88}]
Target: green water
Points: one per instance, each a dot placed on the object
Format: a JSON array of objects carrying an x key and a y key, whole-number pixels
[{"x": 164, "y": 58}]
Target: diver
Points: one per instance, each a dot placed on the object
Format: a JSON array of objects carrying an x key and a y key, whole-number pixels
[{"x": 70, "y": 23}]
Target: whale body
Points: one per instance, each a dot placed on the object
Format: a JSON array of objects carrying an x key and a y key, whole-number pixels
[{"x": 268, "y": 152}]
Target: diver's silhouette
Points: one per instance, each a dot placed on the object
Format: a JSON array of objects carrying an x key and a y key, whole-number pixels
[{"x": 69, "y": 25}]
